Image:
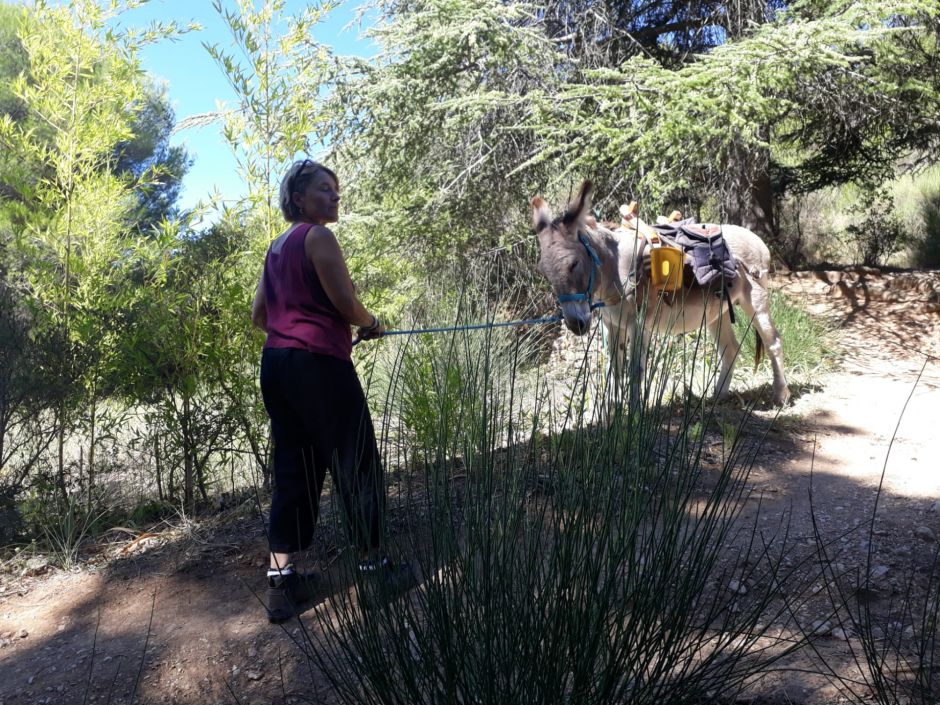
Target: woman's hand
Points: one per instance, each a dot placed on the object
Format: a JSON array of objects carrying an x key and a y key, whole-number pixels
[{"x": 376, "y": 329}]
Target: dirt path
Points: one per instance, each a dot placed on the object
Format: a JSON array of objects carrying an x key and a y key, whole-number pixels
[
  {"x": 177, "y": 614},
  {"x": 874, "y": 420}
]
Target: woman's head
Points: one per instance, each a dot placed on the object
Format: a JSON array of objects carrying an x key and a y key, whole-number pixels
[{"x": 309, "y": 193}]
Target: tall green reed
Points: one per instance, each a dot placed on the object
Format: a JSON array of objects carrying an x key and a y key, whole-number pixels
[{"x": 569, "y": 552}]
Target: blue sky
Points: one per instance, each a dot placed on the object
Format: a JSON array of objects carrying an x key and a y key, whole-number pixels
[{"x": 195, "y": 84}]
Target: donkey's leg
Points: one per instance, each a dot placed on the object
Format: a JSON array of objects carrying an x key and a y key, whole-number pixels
[
  {"x": 728, "y": 346},
  {"x": 619, "y": 339},
  {"x": 756, "y": 305}
]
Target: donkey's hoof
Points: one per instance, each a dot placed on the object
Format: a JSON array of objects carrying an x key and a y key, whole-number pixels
[{"x": 782, "y": 398}]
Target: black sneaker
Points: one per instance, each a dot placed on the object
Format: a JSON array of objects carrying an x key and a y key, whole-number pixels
[
  {"x": 287, "y": 592},
  {"x": 382, "y": 581}
]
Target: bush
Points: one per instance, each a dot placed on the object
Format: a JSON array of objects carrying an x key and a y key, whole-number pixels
[
  {"x": 63, "y": 524},
  {"x": 927, "y": 251},
  {"x": 598, "y": 561},
  {"x": 881, "y": 234}
]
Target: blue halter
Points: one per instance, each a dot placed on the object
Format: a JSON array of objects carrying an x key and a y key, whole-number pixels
[{"x": 586, "y": 295}]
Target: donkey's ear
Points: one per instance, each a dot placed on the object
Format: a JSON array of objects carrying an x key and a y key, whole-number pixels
[
  {"x": 581, "y": 205},
  {"x": 541, "y": 216}
]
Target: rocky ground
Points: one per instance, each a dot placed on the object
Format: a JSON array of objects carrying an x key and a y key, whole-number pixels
[{"x": 174, "y": 616}]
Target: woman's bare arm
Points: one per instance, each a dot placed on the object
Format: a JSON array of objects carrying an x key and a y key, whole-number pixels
[{"x": 324, "y": 252}]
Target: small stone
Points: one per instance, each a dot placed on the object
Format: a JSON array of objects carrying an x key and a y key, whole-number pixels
[
  {"x": 22, "y": 633},
  {"x": 878, "y": 572},
  {"x": 737, "y": 588},
  {"x": 820, "y": 626},
  {"x": 908, "y": 632},
  {"x": 35, "y": 566},
  {"x": 877, "y": 633},
  {"x": 935, "y": 507},
  {"x": 839, "y": 633},
  {"x": 924, "y": 533},
  {"x": 29, "y": 681},
  {"x": 255, "y": 675}
]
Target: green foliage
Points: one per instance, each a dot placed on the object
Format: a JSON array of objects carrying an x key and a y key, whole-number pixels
[
  {"x": 672, "y": 130},
  {"x": 445, "y": 384},
  {"x": 432, "y": 389},
  {"x": 928, "y": 254},
  {"x": 62, "y": 524},
  {"x": 431, "y": 132},
  {"x": 879, "y": 234},
  {"x": 926, "y": 219},
  {"x": 148, "y": 511},
  {"x": 155, "y": 168},
  {"x": 277, "y": 75},
  {"x": 72, "y": 190}
]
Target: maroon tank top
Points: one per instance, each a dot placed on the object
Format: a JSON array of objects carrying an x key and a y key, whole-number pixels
[{"x": 299, "y": 313}]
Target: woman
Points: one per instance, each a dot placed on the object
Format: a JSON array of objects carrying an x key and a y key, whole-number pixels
[{"x": 306, "y": 303}]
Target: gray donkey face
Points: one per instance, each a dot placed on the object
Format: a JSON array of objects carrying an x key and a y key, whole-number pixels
[{"x": 563, "y": 260}]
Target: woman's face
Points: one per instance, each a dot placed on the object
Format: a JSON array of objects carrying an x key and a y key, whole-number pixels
[{"x": 319, "y": 202}]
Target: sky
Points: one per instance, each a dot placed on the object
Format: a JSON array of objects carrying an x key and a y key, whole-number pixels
[{"x": 196, "y": 85}]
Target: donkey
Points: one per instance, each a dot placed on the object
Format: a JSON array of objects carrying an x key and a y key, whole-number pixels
[{"x": 591, "y": 265}]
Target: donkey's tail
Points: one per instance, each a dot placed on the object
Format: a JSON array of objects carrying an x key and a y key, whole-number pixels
[{"x": 758, "y": 349}]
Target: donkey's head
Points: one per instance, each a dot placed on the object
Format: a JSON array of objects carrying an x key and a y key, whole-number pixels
[{"x": 565, "y": 258}]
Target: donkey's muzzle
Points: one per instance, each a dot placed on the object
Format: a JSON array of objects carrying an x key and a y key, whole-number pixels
[
  {"x": 577, "y": 316},
  {"x": 577, "y": 326}
]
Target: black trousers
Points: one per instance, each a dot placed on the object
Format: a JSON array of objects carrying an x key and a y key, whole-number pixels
[{"x": 320, "y": 421}]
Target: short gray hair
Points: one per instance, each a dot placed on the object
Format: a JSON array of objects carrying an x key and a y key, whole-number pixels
[{"x": 295, "y": 180}]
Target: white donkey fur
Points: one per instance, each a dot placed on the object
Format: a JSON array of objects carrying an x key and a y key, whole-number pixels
[{"x": 566, "y": 263}]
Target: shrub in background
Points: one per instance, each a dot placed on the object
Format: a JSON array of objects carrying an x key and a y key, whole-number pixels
[
  {"x": 879, "y": 234},
  {"x": 927, "y": 251}
]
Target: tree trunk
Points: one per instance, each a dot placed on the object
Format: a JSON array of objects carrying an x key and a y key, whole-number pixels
[
  {"x": 60, "y": 475},
  {"x": 747, "y": 196},
  {"x": 189, "y": 500},
  {"x": 156, "y": 458},
  {"x": 91, "y": 454}
]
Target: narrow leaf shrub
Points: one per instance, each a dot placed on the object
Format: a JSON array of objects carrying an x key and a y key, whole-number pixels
[{"x": 569, "y": 552}]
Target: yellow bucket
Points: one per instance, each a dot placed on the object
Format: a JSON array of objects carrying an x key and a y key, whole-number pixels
[{"x": 666, "y": 264}]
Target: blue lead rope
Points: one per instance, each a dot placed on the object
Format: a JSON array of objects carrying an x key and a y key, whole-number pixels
[
  {"x": 474, "y": 326},
  {"x": 587, "y": 295},
  {"x": 477, "y": 326}
]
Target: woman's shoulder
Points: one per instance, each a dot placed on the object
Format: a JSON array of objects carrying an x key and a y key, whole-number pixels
[
  {"x": 321, "y": 244},
  {"x": 320, "y": 231},
  {"x": 319, "y": 236}
]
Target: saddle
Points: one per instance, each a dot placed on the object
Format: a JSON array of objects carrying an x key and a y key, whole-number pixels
[{"x": 705, "y": 252}]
